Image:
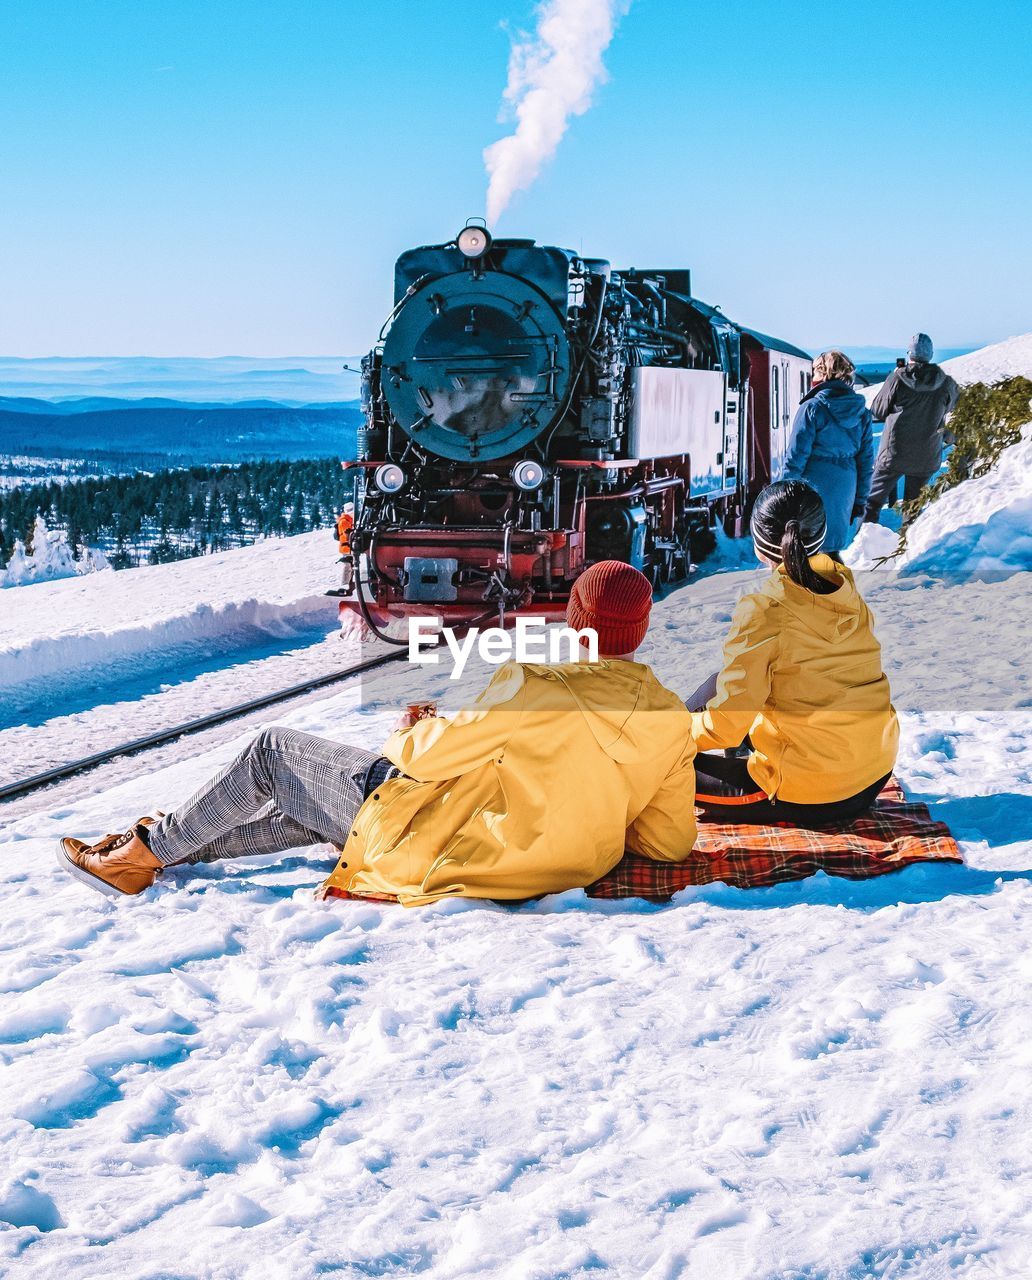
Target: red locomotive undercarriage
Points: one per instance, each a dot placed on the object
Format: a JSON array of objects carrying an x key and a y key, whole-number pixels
[{"x": 517, "y": 566}]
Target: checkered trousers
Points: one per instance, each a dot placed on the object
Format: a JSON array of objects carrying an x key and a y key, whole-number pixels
[{"x": 284, "y": 791}]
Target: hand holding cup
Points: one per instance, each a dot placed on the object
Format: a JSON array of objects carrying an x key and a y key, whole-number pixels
[{"x": 415, "y": 712}]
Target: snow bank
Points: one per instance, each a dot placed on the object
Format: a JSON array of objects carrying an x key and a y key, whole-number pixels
[
  {"x": 225, "y": 1077},
  {"x": 50, "y": 558},
  {"x": 1004, "y": 359},
  {"x": 982, "y": 526},
  {"x": 872, "y": 544},
  {"x": 70, "y": 626}
]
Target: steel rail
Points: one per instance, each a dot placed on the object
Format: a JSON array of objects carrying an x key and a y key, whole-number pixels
[{"x": 27, "y": 785}]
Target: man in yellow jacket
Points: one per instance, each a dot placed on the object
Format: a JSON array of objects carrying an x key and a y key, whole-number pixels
[{"x": 537, "y": 788}]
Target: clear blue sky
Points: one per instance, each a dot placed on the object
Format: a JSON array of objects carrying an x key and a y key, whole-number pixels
[{"x": 207, "y": 177}]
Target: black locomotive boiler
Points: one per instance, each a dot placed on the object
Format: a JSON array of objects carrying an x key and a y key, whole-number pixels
[{"x": 529, "y": 411}]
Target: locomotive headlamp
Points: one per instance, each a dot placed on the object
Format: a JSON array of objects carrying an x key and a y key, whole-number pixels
[
  {"x": 389, "y": 478},
  {"x": 528, "y": 475},
  {"x": 473, "y": 242}
]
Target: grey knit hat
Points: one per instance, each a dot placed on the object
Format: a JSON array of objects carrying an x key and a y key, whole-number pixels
[{"x": 920, "y": 348}]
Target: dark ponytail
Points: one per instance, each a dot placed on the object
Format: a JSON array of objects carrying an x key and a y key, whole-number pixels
[
  {"x": 788, "y": 524},
  {"x": 797, "y": 562}
]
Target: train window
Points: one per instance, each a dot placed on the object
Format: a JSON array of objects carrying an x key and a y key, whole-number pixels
[
  {"x": 775, "y": 399},
  {"x": 802, "y": 384}
]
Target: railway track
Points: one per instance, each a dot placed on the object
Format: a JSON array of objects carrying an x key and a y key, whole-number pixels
[{"x": 25, "y": 786}]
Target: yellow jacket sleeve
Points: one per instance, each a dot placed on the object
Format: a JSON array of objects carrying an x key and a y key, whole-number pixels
[
  {"x": 744, "y": 683},
  {"x": 437, "y": 749},
  {"x": 665, "y": 829}
]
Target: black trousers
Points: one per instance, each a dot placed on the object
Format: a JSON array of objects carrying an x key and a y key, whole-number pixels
[
  {"x": 885, "y": 486},
  {"x": 725, "y": 791}
]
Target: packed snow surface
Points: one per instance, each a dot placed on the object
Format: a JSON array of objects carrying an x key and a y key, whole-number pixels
[{"x": 224, "y": 1078}]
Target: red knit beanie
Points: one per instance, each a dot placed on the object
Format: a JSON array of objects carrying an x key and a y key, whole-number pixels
[{"x": 615, "y": 600}]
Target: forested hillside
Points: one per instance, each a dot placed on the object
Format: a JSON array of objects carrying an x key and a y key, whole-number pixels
[
  {"x": 182, "y": 433},
  {"x": 172, "y": 514}
]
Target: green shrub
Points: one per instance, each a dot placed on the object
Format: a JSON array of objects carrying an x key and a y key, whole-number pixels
[{"x": 987, "y": 419}]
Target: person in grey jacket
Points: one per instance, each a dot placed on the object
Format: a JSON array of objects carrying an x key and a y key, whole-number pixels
[
  {"x": 913, "y": 404},
  {"x": 832, "y": 448}
]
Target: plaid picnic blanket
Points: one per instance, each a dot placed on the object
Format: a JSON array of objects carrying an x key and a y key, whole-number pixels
[{"x": 892, "y": 835}]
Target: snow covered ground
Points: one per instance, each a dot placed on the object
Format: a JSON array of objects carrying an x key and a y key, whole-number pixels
[
  {"x": 50, "y": 627},
  {"x": 980, "y": 527},
  {"x": 108, "y": 657},
  {"x": 226, "y": 1079},
  {"x": 990, "y": 364}
]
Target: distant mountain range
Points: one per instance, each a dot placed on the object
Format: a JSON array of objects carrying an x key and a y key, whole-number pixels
[
  {"x": 152, "y": 411},
  {"x": 291, "y": 380},
  {"x": 889, "y": 355},
  {"x": 96, "y": 404},
  {"x": 180, "y": 434}
]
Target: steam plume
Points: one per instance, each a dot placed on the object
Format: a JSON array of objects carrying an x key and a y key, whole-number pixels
[{"x": 552, "y": 76}]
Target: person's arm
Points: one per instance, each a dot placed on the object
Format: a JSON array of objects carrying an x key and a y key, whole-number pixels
[
  {"x": 665, "y": 829},
  {"x": 743, "y": 686},
  {"x": 952, "y": 393},
  {"x": 882, "y": 404},
  {"x": 436, "y": 749},
  {"x": 800, "y": 443},
  {"x": 864, "y": 464}
]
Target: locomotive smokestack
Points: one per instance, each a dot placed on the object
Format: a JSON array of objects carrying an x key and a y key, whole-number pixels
[{"x": 552, "y": 76}]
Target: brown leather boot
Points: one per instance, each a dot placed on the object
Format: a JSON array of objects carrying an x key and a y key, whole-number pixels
[{"x": 117, "y": 864}]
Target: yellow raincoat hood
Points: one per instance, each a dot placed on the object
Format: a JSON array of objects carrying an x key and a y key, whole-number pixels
[{"x": 536, "y": 788}]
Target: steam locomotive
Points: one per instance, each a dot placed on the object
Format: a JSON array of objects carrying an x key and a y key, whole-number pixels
[{"x": 528, "y": 412}]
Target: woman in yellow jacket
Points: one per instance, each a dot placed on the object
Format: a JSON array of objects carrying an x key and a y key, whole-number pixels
[{"x": 801, "y": 684}]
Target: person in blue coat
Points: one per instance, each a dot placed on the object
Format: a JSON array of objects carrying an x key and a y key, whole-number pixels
[{"x": 831, "y": 446}]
